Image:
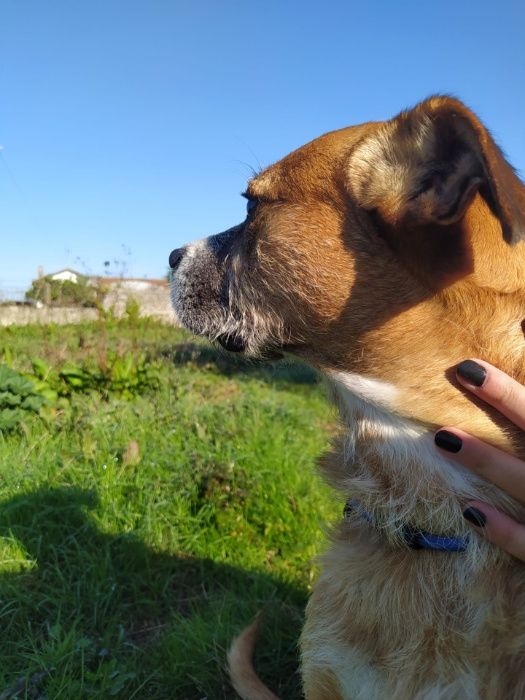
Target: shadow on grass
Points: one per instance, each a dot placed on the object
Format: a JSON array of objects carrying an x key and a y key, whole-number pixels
[
  {"x": 202, "y": 356},
  {"x": 103, "y": 615}
]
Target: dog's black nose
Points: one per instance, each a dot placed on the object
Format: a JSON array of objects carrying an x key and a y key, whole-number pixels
[{"x": 175, "y": 257}]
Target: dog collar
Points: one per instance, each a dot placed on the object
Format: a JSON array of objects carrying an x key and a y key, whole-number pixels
[{"x": 413, "y": 537}]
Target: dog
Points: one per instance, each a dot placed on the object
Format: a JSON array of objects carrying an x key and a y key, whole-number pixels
[{"x": 383, "y": 255}]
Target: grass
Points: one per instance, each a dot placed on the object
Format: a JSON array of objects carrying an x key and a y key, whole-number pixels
[{"x": 138, "y": 537}]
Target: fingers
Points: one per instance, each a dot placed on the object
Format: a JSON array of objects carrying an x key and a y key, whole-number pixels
[
  {"x": 502, "y": 469},
  {"x": 506, "y": 471},
  {"x": 497, "y": 528},
  {"x": 495, "y": 387}
]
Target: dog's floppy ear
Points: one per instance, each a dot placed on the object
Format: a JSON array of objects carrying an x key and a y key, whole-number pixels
[{"x": 426, "y": 165}]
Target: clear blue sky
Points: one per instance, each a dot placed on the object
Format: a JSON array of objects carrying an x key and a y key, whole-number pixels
[{"x": 129, "y": 126}]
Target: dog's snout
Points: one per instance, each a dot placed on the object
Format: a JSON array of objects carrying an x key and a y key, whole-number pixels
[{"x": 176, "y": 257}]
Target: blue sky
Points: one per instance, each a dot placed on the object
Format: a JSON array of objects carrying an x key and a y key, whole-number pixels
[{"x": 129, "y": 127}]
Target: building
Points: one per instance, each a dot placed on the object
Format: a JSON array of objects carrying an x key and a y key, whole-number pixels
[{"x": 66, "y": 275}]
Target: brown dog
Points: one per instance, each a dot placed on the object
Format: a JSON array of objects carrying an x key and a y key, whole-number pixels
[{"x": 384, "y": 254}]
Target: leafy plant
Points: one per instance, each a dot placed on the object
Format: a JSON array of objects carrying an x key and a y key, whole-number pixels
[
  {"x": 19, "y": 397},
  {"x": 129, "y": 374},
  {"x": 125, "y": 375}
]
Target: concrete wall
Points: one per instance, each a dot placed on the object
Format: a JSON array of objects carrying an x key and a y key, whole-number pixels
[
  {"x": 153, "y": 301},
  {"x": 26, "y": 315}
]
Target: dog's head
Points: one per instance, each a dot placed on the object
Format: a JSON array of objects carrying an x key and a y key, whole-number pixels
[{"x": 348, "y": 240}]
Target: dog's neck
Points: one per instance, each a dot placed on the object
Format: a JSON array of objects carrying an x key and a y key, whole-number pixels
[{"x": 390, "y": 465}]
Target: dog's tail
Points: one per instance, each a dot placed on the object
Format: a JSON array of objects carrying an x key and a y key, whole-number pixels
[{"x": 242, "y": 673}]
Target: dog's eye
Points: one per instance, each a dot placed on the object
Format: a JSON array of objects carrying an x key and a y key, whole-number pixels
[{"x": 250, "y": 206}]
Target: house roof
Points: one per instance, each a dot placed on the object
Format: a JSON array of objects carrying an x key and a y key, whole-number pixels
[
  {"x": 107, "y": 281},
  {"x": 65, "y": 269}
]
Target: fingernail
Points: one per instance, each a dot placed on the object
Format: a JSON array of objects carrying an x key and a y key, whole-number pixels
[
  {"x": 475, "y": 516},
  {"x": 472, "y": 372},
  {"x": 448, "y": 441}
]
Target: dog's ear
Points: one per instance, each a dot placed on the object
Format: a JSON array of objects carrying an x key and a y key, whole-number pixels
[{"x": 426, "y": 165}]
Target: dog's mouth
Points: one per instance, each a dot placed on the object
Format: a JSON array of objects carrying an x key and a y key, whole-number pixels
[{"x": 232, "y": 342}]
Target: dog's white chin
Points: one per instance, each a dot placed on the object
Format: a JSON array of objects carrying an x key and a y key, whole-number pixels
[{"x": 215, "y": 326}]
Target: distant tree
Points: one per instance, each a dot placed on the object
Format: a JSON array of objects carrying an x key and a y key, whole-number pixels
[{"x": 63, "y": 292}]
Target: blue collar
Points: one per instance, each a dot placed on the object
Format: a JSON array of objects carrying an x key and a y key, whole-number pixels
[{"x": 413, "y": 537}]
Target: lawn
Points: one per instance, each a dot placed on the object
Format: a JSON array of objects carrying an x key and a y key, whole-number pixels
[{"x": 140, "y": 530}]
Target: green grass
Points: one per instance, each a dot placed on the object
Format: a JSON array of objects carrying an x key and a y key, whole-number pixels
[{"x": 128, "y": 578}]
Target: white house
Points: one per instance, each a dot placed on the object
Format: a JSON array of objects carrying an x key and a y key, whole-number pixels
[{"x": 66, "y": 275}]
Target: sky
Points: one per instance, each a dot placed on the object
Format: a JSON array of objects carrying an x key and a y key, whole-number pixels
[{"x": 129, "y": 127}]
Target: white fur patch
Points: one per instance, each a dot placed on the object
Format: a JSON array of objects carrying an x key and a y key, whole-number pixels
[
  {"x": 357, "y": 677},
  {"x": 378, "y": 405},
  {"x": 464, "y": 687},
  {"x": 196, "y": 247},
  {"x": 364, "y": 682},
  {"x": 180, "y": 276},
  {"x": 355, "y": 386}
]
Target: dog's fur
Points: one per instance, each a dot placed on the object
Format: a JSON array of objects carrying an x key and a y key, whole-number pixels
[{"x": 384, "y": 254}]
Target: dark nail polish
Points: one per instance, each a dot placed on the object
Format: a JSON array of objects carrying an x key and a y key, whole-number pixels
[
  {"x": 475, "y": 516},
  {"x": 448, "y": 441},
  {"x": 472, "y": 372}
]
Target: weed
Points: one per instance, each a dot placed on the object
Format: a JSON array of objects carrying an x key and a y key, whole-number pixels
[
  {"x": 132, "y": 311},
  {"x": 123, "y": 374}
]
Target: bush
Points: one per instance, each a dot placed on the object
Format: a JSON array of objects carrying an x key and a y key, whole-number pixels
[{"x": 63, "y": 293}]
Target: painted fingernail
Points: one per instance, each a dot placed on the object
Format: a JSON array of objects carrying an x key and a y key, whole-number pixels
[
  {"x": 448, "y": 441},
  {"x": 475, "y": 516},
  {"x": 471, "y": 372}
]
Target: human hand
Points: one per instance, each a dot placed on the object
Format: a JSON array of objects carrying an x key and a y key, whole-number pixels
[{"x": 506, "y": 471}]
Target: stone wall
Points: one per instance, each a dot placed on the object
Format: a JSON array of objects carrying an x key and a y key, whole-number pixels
[
  {"x": 17, "y": 315},
  {"x": 153, "y": 300}
]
